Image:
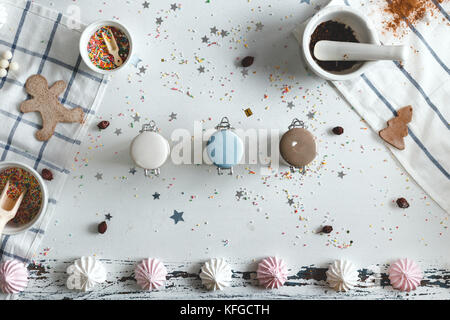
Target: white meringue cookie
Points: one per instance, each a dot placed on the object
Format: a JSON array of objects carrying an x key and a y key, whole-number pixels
[
  {"x": 3, "y": 73},
  {"x": 7, "y": 55},
  {"x": 85, "y": 273},
  {"x": 13, "y": 66},
  {"x": 342, "y": 275},
  {"x": 216, "y": 274},
  {"x": 4, "y": 63}
]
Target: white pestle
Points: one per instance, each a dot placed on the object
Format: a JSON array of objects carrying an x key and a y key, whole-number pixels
[{"x": 326, "y": 50}]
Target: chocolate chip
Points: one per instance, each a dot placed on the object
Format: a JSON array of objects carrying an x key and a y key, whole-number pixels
[
  {"x": 103, "y": 124},
  {"x": 327, "y": 229},
  {"x": 338, "y": 130},
  {"x": 402, "y": 203},
  {"x": 102, "y": 227},
  {"x": 47, "y": 174},
  {"x": 247, "y": 61}
]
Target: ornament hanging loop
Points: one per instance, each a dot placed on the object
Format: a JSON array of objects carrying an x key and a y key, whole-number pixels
[
  {"x": 224, "y": 124},
  {"x": 151, "y": 126},
  {"x": 296, "y": 123}
]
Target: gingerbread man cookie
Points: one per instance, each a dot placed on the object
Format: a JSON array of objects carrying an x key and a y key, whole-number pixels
[
  {"x": 45, "y": 101},
  {"x": 397, "y": 128}
]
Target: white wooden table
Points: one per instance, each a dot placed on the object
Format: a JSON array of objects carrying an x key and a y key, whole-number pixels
[{"x": 190, "y": 71}]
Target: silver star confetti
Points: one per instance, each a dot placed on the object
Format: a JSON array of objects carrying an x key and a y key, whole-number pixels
[
  {"x": 259, "y": 26},
  {"x": 172, "y": 116},
  {"x": 99, "y": 176},
  {"x": 201, "y": 69},
  {"x": 142, "y": 70},
  {"x": 239, "y": 194},
  {"x": 136, "y": 118},
  {"x": 159, "y": 20},
  {"x": 118, "y": 132},
  {"x": 205, "y": 39},
  {"x": 213, "y": 30},
  {"x": 341, "y": 174}
]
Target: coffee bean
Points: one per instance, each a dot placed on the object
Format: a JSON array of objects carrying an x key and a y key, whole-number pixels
[
  {"x": 102, "y": 227},
  {"x": 327, "y": 229},
  {"x": 247, "y": 61},
  {"x": 402, "y": 203},
  {"x": 338, "y": 130},
  {"x": 47, "y": 174},
  {"x": 103, "y": 124}
]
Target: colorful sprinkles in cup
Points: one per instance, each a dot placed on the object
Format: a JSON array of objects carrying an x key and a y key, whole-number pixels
[
  {"x": 20, "y": 181},
  {"x": 98, "y": 53}
]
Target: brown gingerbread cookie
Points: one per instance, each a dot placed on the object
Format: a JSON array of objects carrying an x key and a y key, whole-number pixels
[
  {"x": 45, "y": 101},
  {"x": 397, "y": 128}
]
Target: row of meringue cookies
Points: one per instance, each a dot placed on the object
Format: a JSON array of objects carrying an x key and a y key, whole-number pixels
[
  {"x": 216, "y": 274},
  {"x": 150, "y": 150}
]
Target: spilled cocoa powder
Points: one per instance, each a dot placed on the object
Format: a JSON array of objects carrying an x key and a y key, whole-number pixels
[
  {"x": 402, "y": 12},
  {"x": 334, "y": 31}
]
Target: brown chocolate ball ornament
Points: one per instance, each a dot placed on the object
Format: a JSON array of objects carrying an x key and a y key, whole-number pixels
[{"x": 297, "y": 146}]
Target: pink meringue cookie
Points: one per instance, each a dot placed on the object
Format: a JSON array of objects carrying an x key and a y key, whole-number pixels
[
  {"x": 150, "y": 274},
  {"x": 272, "y": 273},
  {"x": 405, "y": 275},
  {"x": 13, "y": 276}
]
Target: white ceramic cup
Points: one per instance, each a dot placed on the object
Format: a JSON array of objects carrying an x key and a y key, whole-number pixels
[
  {"x": 11, "y": 229},
  {"x": 89, "y": 32},
  {"x": 362, "y": 28}
]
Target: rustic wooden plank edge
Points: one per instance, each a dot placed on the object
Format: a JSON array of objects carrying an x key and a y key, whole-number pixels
[{"x": 48, "y": 281}]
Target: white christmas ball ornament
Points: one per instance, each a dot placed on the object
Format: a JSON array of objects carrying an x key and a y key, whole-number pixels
[
  {"x": 4, "y": 63},
  {"x": 7, "y": 55},
  {"x": 13, "y": 66},
  {"x": 150, "y": 150},
  {"x": 3, "y": 73}
]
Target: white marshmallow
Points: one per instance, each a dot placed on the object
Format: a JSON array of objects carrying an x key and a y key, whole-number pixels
[
  {"x": 3, "y": 73},
  {"x": 13, "y": 66},
  {"x": 7, "y": 55},
  {"x": 4, "y": 63}
]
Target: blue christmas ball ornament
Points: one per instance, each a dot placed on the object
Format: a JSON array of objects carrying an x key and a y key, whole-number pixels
[{"x": 225, "y": 148}]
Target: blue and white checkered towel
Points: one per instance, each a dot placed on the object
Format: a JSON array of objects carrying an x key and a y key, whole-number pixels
[
  {"x": 42, "y": 41},
  {"x": 423, "y": 82}
]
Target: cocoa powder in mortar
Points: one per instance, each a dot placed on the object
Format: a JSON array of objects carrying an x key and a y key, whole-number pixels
[{"x": 335, "y": 31}]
